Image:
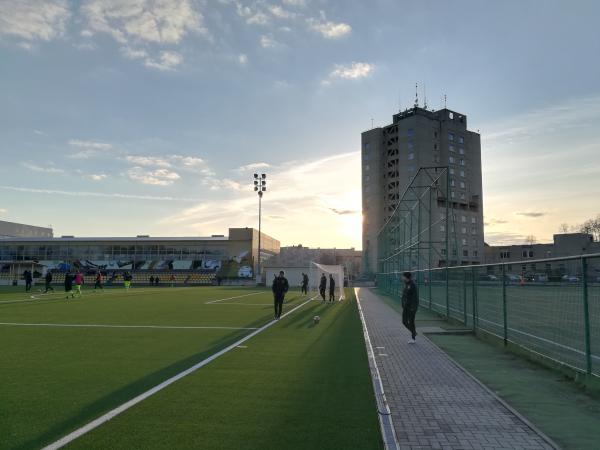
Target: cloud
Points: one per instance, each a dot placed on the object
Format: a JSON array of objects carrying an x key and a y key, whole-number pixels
[
  {"x": 297, "y": 199},
  {"x": 153, "y": 21},
  {"x": 281, "y": 13},
  {"x": 328, "y": 29},
  {"x": 354, "y": 71},
  {"x": 97, "y": 177},
  {"x": 3, "y": 210},
  {"x": 267, "y": 41},
  {"x": 96, "y": 194},
  {"x": 251, "y": 14},
  {"x": 141, "y": 25},
  {"x": 243, "y": 59},
  {"x": 166, "y": 61},
  {"x": 88, "y": 149},
  {"x": 344, "y": 212},
  {"x": 155, "y": 161},
  {"x": 253, "y": 166},
  {"x": 297, "y": 3},
  {"x": 32, "y": 20},
  {"x": 158, "y": 177},
  {"x": 42, "y": 169},
  {"x": 532, "y": 214},
  {"x": 503, "y": 238}
]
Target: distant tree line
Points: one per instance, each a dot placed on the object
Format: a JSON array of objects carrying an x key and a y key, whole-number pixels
[{"x": 590, "y": 226}]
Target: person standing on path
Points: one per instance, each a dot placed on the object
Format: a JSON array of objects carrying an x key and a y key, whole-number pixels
[
  {"x": 279, "y": 288},
  {"x": 410, "y": 304}
]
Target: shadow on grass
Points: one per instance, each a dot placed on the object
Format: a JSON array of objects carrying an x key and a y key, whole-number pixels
[{"x": 90, "y": 412}]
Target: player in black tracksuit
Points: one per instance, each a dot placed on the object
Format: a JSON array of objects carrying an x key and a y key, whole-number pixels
[
  {"x": 410, "y": 304},
  {"x": 304, "y": 284},
  {"x": 48, "y": 280},
  {"x": 323, "y": 286},
  {"x": 331, "y": 288},
  {"x": 279, "y": 288}
]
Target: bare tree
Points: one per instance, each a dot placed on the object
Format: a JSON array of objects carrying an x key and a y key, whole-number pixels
[
  {"x": 530, "y": 240},
  {"x": 591, "y": 226},
  {"x": 564, "y": 228}
]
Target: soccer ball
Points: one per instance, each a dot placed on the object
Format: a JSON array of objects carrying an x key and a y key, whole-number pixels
[{"x": 316, "y": 319}]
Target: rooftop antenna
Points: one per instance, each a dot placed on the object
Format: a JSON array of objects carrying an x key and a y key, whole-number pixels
[
  {"x": 444, "y": 101},
  {"x": 372, "y": 123},
  {"x": 425, "y": 95},
  {"x": 416, "y": 95}
]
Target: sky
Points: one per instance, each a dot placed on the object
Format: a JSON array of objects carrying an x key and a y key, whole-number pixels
[{"x": 127, "y": 117}]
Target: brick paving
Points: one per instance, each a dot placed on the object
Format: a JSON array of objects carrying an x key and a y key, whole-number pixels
[{"x": 434, "y": 404}]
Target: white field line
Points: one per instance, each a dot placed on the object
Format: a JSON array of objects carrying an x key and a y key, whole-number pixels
[
  {"x": 242, "y": 304},
  {"x": 86, "y": 294},
  {"x": 533, "y": 336},
  {"x": 388, "y": 433},
  {"x": 90, "y": 325},
  {"x": 230, "y": 298},
  {"x": 159, "y": 387}
]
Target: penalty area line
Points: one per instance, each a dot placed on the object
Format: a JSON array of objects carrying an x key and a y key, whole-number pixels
[
  {"x": 90, "y": 325},
  {"x": 159, "y": 387},
  {"x": 230, "y": 298}
]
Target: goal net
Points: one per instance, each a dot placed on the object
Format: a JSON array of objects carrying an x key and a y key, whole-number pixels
[{"x": 318, "y": 270}]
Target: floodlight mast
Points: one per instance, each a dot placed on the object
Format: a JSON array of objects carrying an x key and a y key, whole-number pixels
[{"x": 260, "y": 187}]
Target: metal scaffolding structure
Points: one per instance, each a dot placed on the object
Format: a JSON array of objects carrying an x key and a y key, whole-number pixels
[{"x": 420, "y": 233}]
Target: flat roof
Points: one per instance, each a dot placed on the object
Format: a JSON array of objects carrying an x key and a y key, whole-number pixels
[{"x": 58, "y": 240}]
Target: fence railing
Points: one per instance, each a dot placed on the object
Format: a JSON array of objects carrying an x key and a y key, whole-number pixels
[{"x": 550, "y": 307}]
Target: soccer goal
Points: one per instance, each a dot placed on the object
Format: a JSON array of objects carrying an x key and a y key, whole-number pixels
[{"x": 317, "y": 270}]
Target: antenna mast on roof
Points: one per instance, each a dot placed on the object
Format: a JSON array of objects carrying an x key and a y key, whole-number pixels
[
  {"x": 416, "y": 95},
  {"x": 425, "y": 95},
  {"x": 444, "y": 101}
]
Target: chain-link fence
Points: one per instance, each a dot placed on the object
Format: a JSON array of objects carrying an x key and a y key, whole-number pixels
[{"x": 554, "y": 313}]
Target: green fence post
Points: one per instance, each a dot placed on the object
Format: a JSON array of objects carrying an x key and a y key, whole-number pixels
[
  {"x": 474, "y": 294},
  {"x": 505, "y": 316},
  {"x": 586, "y": 317},
  {"x": 465, "y": 296}
]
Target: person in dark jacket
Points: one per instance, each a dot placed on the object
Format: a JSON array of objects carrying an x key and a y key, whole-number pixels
[
  {"x": 69, "y": 284},
  {"x": 28, "y": 280},
  {"x": 304, "y": 283},
  {"x": 331, "y": 288},
  {"x": 410, "y": 304},
  {"x": 323, "y": 286},
  {"x": 48, "y": 280},
  {"x": 279, "y": 288}
]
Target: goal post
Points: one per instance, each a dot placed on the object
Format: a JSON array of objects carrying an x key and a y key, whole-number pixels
[{"x": 314, "y": 276}]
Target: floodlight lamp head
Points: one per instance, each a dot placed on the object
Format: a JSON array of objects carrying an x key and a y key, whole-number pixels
[
  {"x": 255, "y": 183},
  {"x": 264, "y": 183},
  {"x": 264, "y": 175},
  {"x": 255, "y": 175},
  {"x": 256, "y": 188},
  {"x": 264, "y": 189}
]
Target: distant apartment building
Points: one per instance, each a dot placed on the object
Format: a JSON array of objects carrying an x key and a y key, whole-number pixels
[
  {"x": 392, "y": 155},
  {"x": 11, "y": 229},
  {"x": 523, "y": 259}
]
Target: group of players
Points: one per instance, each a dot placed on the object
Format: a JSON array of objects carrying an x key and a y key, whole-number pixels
[
  {"x": 322, "y": 286},
  {"x": 74, "y": 281}
]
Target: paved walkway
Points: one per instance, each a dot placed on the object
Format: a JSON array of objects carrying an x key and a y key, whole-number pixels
[{"x": 434, "y": 404}]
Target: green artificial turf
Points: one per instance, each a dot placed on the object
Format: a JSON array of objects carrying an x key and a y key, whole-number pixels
[
  {"x": 552, "y": 402},
  {"x": 294, "y": 384}
]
